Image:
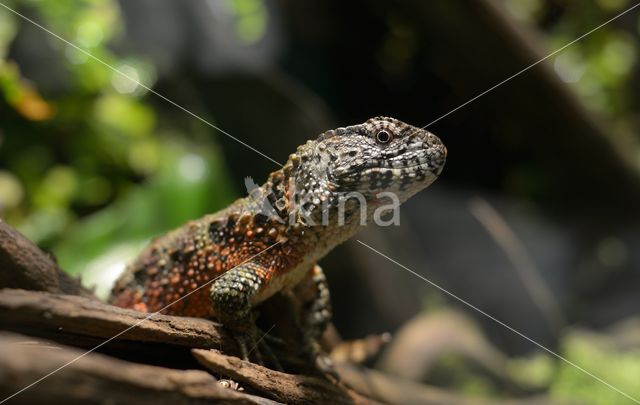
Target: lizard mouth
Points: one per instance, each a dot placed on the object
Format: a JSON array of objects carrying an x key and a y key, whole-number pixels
[
  {"x": 431, "y": 160},
  {"x": 401, "y": 172},
  {"x": 411, "y": 171}
]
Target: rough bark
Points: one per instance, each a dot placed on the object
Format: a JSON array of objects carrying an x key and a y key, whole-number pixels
[
  {"x": 99, "y": 379},
  {"x": 288, "y": 388},
  {"x": 23, "y": 265},
  {"x": 65, "y": 317}
]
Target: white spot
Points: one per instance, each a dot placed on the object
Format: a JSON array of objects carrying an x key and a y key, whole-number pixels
[
  {"x": 127, "y": 81},
  {"x": 569, "y": 68},
  {"x": 192, "y": 167}
]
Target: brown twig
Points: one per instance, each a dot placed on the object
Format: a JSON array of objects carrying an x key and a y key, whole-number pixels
[
  {"x": 98, "y": 379},
  {"x": 292, "y": 389}
]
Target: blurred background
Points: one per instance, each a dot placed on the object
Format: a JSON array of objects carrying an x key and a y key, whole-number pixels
[{"x": 534, "y": 219}]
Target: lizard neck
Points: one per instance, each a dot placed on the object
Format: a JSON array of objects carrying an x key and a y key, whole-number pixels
[{"x": 302, "y": 198}]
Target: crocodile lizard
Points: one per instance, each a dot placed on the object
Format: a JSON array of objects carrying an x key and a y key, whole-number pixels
[{"x": 271, "y": 240}]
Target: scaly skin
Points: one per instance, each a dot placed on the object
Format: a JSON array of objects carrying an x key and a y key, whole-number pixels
[{"x": 294, "y": 216}]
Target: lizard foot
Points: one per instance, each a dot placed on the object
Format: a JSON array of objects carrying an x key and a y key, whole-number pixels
[
  {"x": 253, "y": 344},
  {"x": 320, "y": 360}
]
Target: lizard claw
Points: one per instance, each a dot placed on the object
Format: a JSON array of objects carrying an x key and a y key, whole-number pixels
[{"x": 254, "y": 344}]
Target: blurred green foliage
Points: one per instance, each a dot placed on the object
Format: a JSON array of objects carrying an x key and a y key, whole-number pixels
[
  {"x": 595, "y": 352},
  {"x": 542, "y": 372},
  {"x": 251, "y": 19},
  {"x": 619, "y": 368},
  {"x": 601, "y": 66},
  {"x": 86, "y": 166}
]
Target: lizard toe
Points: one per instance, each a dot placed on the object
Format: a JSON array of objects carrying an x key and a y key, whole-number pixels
[
  {"x": 254, "y": 348},
  {"x": 273, "y": 359}
]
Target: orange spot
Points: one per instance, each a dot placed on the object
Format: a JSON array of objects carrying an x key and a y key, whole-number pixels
[{"x": 32, "y": 106}]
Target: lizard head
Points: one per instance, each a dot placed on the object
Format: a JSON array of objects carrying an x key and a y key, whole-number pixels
[{"x": 380, "y": 155}]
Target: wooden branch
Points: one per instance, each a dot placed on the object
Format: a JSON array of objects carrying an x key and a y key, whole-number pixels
[
  {"x": 24, "y": 265},
  {"x": 74, "y": 320},
  {"x": 98, "y": 379},
  {"x": 288, "y": 388},
  {"x": 57, "y": 316}
]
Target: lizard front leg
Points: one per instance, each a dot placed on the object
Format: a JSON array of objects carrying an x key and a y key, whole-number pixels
[{"x": 232, "y": 296}]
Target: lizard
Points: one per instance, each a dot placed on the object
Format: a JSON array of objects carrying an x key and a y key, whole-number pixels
[{"x": 271, "y": 240}]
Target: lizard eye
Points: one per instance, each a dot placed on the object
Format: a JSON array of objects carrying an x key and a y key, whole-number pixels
[{"x": 383, "y": 136}]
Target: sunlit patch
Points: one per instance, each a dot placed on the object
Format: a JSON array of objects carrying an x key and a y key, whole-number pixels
[
  {"x": 11, "y": 190},
  {"x": 126, "y": 80},
  {"x": 192, "y": 167},
  {"x": 102, "y": 272},
  {"x": 569, "y": 67},
  {"x": 89, "y": 34}
]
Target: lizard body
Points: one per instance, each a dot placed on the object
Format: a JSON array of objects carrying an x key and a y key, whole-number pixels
[{"x": 270, "y": 241}]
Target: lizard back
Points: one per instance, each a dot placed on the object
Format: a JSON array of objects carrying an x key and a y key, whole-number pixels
[{"x": 175, "y": 265}]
